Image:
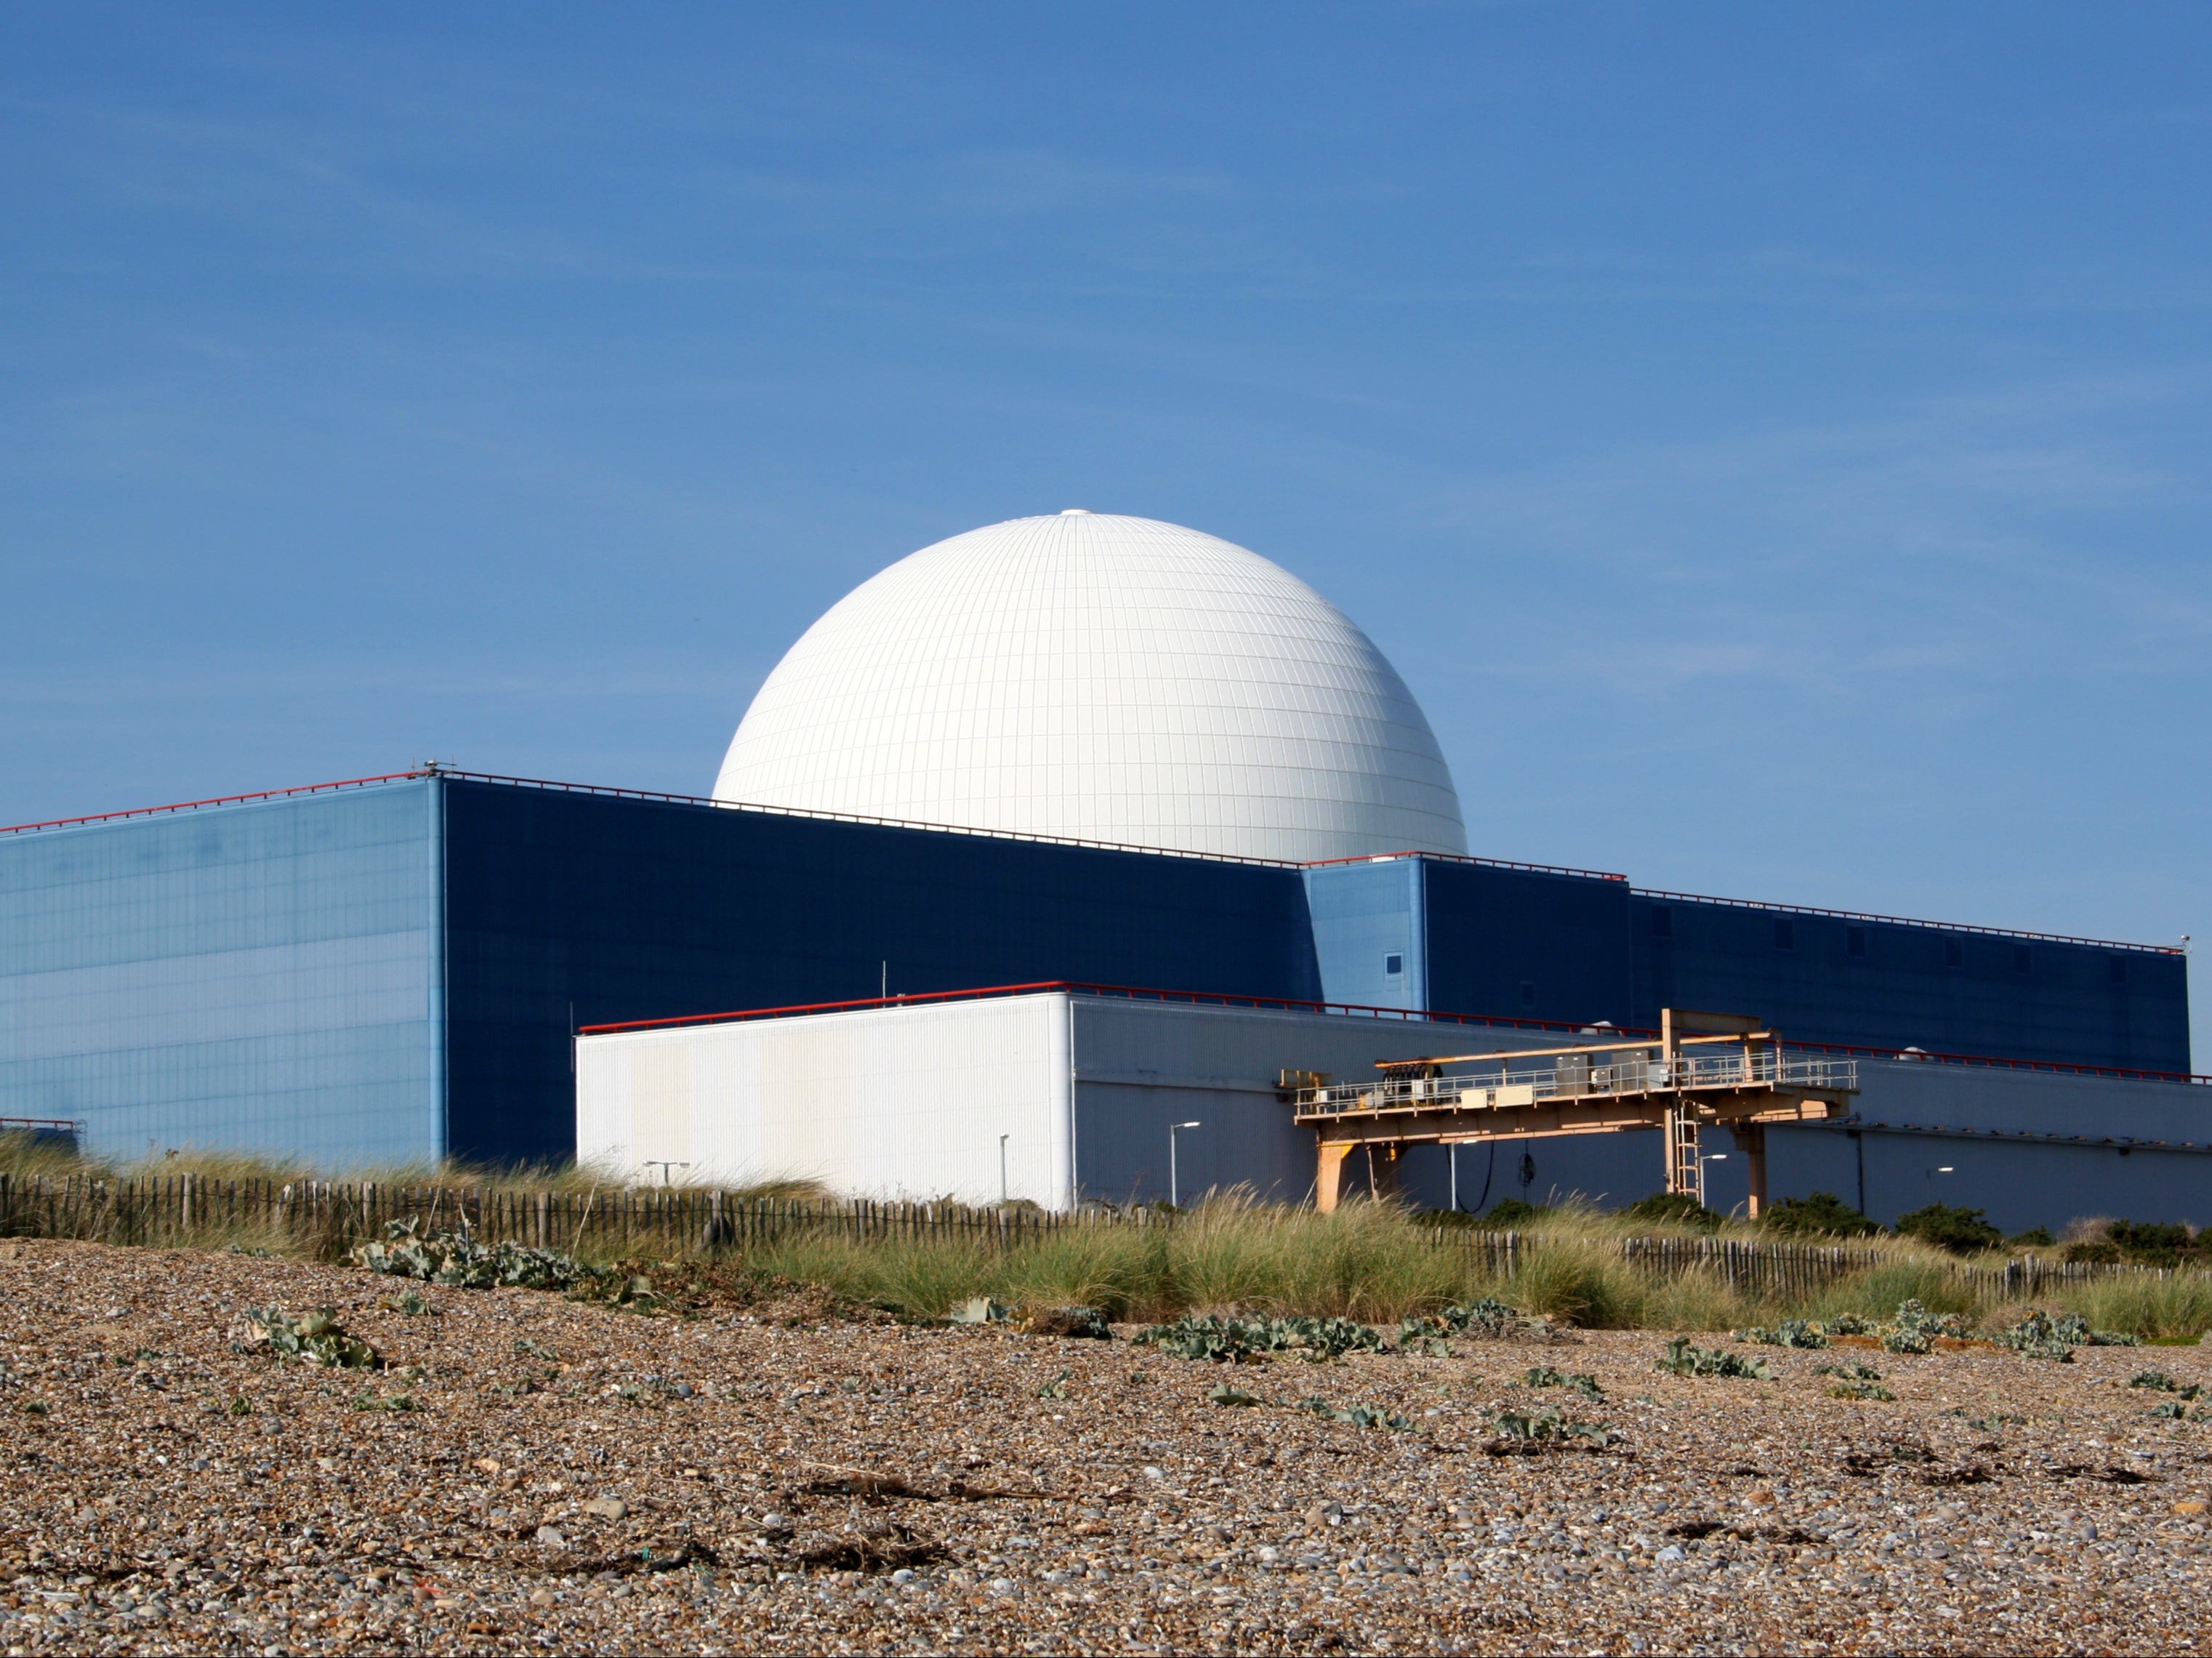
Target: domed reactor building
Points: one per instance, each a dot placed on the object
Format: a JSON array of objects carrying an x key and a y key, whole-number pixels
[
  {"x": 1110, "y": 679},
  {"x": 1076, "y": 859}
]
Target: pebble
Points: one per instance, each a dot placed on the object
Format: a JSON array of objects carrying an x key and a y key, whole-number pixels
[{"x": 1731, "y": 1514}]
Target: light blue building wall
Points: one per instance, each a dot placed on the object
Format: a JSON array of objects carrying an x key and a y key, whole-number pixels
[
  {"x": 264, "y": 977},
  {"x": 1368, "y": 922}
]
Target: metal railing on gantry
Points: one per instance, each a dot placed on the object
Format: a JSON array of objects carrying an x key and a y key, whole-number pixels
[{"x": 1496, "y": 1085}]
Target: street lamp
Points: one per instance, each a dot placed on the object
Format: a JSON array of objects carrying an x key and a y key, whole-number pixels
[
  {"x": 1174, "y": 1200},
  {"x": 1703, "y": 1158},
  {"x": 1946, "y": 1170}
]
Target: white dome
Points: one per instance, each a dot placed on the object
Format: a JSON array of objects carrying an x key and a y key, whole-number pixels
[{"x": 1100, "y": 678}]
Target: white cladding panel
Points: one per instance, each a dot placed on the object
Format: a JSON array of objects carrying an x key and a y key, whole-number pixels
[{"x": 889, "y": 1102}]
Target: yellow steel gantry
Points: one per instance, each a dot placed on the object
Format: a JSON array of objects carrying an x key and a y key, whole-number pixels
[{"x": 1706, "y": 1070}]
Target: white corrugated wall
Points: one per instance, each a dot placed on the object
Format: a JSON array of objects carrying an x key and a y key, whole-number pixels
[{"x": 889, "y": 1103}]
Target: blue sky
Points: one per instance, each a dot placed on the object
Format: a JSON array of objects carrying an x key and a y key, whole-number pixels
[{"x": 1770, "y": 440}]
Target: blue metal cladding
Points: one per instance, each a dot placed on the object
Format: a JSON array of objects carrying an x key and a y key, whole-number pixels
[
  {"x": 1368, "y": 932},
  {"x": 566, "y": 909},
  {"x": 391, "y": 973},
  {"x": 1528, "y": 944},
  {"x": 1830, "y": 979},
  {"x": 262, "y": 977}
]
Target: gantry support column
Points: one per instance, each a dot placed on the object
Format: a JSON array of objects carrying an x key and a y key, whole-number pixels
[
  {"x": 1751, "y": 1140},
  {"x": 1328, "y": 1178}
]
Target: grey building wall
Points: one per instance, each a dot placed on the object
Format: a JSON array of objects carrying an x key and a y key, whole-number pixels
[
  {"x": 2029, "y": 1148},
  {"x": 2007, "y": 1133},
  {"x": 1140, "y": 1066}
]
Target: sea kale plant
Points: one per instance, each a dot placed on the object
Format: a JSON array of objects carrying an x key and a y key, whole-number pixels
[
  {"x": 459, "y": 1261},
  {"x": 315, "y": 1337},
  {"x": 2041, "y": 1336},
  {"x": 1682, "y": 1358},
  {"x": 1241, "y": 1340}
]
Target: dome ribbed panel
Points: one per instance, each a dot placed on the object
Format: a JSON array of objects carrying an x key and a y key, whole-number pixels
[{"x": 1100, "y": 678}]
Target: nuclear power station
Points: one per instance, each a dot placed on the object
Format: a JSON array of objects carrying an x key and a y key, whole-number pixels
[{"x": 1079, "y": 857}]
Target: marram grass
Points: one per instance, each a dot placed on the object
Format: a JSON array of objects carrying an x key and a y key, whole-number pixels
[{"x": 1231, "y": 1253}]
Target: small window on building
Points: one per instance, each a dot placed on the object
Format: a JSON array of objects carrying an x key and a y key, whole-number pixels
[
  {"x": 1955, "y": 952},
  {"x": 1527, "y": 992},
  {"x": 1855, "y": 942},
  {"x": 1662, "y": 921},
  {"x": 1785, "y": 933},
  {"x": 2116, "y": 969},
  {"x": 1394, "y": 965},
  {"x": 2023, "y": 958}
]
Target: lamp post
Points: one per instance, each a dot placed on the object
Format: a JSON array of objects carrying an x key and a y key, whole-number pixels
[
  {"x": 1175, "y": 1192},
  {"x": 1703, "y": 1159},
  {"x": 1931, "y": 1178}
]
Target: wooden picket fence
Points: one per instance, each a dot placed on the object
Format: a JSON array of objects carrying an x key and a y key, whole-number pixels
[{"x": 326, "y": 1219}]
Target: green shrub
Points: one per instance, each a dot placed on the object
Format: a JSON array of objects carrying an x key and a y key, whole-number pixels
[
  {"x": 1446, "y": 1218},
  {"x": 1511, "y": 1214},
  {"x": 2093, "y": 1251},
  {"x": 1822, "y": 1212},
  {"x": 2153, "y": 1244},
  {"x": 1674, "y": 1209},
  {"x": 2036, "y": 1237},
  {"x": 1961, "y": 1232}
]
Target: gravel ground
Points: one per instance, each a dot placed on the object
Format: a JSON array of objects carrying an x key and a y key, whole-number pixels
[{"x": 775, "y": 1478}]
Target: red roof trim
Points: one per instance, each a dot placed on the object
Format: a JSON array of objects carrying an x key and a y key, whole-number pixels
[
  {"x": 220, "y": 800},
  {"x": 1355, "y": 1009},
  {"x": 1135, "y": 993}
]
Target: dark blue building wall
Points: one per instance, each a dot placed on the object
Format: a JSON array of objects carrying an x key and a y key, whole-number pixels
[
  {"x": 566, "y": 909},
  {"x": 1528, "y": 944},
  {"x": 1831, "y": 979}
]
